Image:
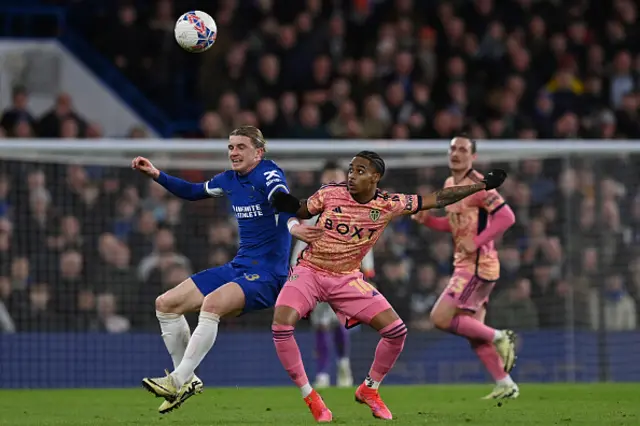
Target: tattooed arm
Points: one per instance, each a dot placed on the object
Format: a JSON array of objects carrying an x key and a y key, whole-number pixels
[{"x": 450, "y": 195}]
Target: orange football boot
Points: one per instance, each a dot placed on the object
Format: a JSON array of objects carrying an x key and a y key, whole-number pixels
[
  {"x": 371, "y": 397},
  {"x": 318, "y": 408}
]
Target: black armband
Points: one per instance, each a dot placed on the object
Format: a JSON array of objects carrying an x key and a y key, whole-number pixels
[{"x": 285, "y": 203}]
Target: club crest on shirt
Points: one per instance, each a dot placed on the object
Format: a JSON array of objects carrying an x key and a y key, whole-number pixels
[{"x": 374, "y": 214}]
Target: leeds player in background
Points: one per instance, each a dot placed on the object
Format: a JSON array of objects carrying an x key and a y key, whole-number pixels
[
  {"x": 250, "y": 282},
  {"x": 323, "y": 319},
  {"x": 474, "y": 223},
  {"x": 353, "y": 216}
]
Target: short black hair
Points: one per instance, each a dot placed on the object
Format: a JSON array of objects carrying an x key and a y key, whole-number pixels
[
  {"x": 330, "y": 165},
  {"x": 474, "y": 147},
  {"x": 375, "y": 159}
]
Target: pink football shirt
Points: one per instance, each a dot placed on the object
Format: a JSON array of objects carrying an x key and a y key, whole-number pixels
[
  {"x": 351, "y": 228},
  {"x": 469, "y": 217}
]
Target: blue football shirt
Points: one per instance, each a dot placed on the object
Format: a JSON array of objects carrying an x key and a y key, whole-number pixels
[
  {"x": 264, "y": 238},
  {"x": 265, "y": 241}
]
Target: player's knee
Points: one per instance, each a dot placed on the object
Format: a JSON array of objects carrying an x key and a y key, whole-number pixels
[
  {"x": 167, "y": 305},
  {"x": 395, "y": 334},
  {"x": 440, "y": 319},
  {"x": 285, "y": 315},
  {"x": 442, "y": 314},
  {"x": 283, "y": 324}
]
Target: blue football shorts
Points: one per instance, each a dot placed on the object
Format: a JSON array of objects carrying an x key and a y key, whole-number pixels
[{"x": 260, "y": 286}]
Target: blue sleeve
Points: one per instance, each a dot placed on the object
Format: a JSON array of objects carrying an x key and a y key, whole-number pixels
[
  {"x": 274, "y": 181},
  {"x": 187, "y": 190}
]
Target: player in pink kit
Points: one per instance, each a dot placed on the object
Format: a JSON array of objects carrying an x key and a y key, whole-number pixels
[
  {"x": 474, "y": 223},
  {"x": 353, "y": 215}
]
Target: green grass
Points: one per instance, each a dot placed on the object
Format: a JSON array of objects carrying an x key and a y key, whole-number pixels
[{"x": 593, "y": 404}]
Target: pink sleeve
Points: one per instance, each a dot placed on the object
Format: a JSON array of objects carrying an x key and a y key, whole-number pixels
[
  {"x": 315, "y": 203},
  {"x": 501, "y": 220},
  {"x": 404, "y": 204},
  {"x": 437, "y": 223}
]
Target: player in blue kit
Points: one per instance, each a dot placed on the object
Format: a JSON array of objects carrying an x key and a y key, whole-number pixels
[{"x": 250, "y": 282}]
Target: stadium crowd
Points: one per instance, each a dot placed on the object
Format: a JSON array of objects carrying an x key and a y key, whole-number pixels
[{"x": 89, "y": 248}]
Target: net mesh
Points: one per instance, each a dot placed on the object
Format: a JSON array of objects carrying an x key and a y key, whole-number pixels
[{"x": 85, "y": 249}]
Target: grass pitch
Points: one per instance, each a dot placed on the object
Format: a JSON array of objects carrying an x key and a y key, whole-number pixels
[{"x": 591, "y": 404}]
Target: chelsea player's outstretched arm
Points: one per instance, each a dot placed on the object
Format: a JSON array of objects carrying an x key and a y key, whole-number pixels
[{"x": 176, "y": 186}]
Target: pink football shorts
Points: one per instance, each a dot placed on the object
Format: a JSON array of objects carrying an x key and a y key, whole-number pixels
[
  {"x": 352, "y": 298},
  {"x": 467, "y": 291}
]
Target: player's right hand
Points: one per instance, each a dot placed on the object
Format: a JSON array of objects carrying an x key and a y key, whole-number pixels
[
  {"x": 307, "y": 233},
  {"x": 145, "y": 166}
]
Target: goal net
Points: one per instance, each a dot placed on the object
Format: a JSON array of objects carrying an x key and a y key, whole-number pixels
[{"x": 87, "y": 244}]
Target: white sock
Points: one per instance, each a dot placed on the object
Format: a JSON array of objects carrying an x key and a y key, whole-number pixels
[
  {"x": 344, "y": 363},
  {"x": 199, "y": 345},
  {"x": 370, "y": 383},
  {"x": 175, "y": 333},
  {"x": 498, "y": 335},
  {"x": 507, "y": 381},
  {"x": 306, "y": 390}
]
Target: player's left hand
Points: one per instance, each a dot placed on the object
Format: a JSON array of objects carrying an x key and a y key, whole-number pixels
[
  {"x": 307, "y": 233},
  {"x": 468, "y": 246},
  {"x": 494, "y": 178}
]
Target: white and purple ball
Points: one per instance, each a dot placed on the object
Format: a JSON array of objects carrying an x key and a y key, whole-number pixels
[{"x": 196, "y": 31}]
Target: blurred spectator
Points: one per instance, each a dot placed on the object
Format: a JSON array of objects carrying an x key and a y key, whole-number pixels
[
  {"x": 108, "y": 318},
  {"x": 164, "y": 250},
  {"x": 72, "y": 291},
  {"x": 6, "y": 322},
  {"x": 310, "y": 126},
  {"x": 633, "y": 279},
  {"x": 142, "y": 235},
  {"x": 549, "y": 305},
  {"x": 52, "y": 124},
  {"x": 115, "y": 275},
  {"x": 423, "y": 297},
  {"x": 395, "y": 284},
  {"x": 84, "y": 318},
  {"x": 39, "y": 315},
  {"x": 619, "y": 307},
  {"x": 18, "y": 113},
  {"x": 510, "y": 267},
  {"x": 514, "y": 309}
]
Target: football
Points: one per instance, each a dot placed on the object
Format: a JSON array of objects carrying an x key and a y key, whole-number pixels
[{"x": 196, "y": 31}]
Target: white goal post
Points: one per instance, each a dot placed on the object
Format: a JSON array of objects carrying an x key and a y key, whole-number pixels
[{"x": 294, "y": 155}]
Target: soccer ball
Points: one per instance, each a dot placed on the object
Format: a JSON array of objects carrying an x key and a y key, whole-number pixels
[{"x": 196, "y": 31}]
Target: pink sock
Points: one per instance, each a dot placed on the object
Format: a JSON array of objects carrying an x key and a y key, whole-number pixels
[
  {"x": 471, "y": 328},
  {"x": 387, "y": 351},
  {"x": 289, "y": 353},
  {"x": 490, "y": 358}
]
